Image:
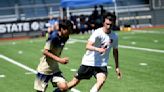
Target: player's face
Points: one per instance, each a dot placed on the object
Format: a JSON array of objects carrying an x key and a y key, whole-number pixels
[
  {"x": 65, "y": 32},
  {"x": 107, "y": 24}
]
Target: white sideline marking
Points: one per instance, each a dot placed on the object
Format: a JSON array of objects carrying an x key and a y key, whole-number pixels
[
  {"x": 143, "y": 64},
  {"x": 26, "y": 67},
  {"x": 74, "y": 90},
  {"x": 146, "y": 31},
  {"x": 71, "y": 42},
  {"x": 13, "y": 43},
  {"x": 31, "y": 41},
  {"x": 84, "y": 41},
  {"x": 2, "y": 76},
  {"x": 129, "y": 47},
  {"x": 126, "y": 37},
  {"x": 133, "y": 43},
  {"x": 109, "y": 67},
  {"x": 28, "y": 73},
  {"x": 65, "y": 48},
  {"x": 20, "y": 52},
  {"x": 73, "y": 70},
  {"x": 18, "y": 64},
  {"x": 155, "y": 41},
  {"x": 143, "y": 49}
]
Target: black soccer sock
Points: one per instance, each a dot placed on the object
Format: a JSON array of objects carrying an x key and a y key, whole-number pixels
[{"x": 57, "y": 90}]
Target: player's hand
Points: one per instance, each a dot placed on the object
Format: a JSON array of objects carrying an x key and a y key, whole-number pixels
[
  {"x": 64, "y": 60},
  {"x": 101, "y": 50},
  {"x": 118, "y": 72}
]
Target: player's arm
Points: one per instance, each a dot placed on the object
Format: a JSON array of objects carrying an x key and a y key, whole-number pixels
[
  {"x": 54, "y": 57},
  {"x": 90, "y": 46},
  {"x": 91, "y": 41},
  {"x": 115, "y": 55}
]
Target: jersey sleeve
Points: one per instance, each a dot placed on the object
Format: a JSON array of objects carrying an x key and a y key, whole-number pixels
[
  {"x": 47, "y": 45},
  {"x": 51, "y": 39},
  {"x": 115, "y": 41},
  {"x": 93, "y": 36}
]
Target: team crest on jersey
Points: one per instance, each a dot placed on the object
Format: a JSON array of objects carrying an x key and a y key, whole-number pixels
[
  {"x": 62, "y": 44},
  {"x": 105, "y": 45},
  {"x": 111, "y": 40}
]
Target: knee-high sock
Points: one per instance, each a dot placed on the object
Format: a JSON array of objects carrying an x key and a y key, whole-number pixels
[{"x": 57, "y": 90}]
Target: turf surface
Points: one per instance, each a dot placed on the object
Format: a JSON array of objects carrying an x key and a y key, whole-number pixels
[{"x": 136, "y": 77}]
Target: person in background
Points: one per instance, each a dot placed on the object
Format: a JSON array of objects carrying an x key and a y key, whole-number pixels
[
  {"x": 102, "y": 10},
  {"x": 53, "y": 24}
]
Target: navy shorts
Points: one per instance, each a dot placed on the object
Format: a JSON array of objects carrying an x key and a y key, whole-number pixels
[{"x": 41, "y": 81}]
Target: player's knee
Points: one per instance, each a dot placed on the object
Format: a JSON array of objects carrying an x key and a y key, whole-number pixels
[
  {"x": 63, "y": 87},
  {"x": 101, "y": 82},
  {"x": 101, "y": 78}
]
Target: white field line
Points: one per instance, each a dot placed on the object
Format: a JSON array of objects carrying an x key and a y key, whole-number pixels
[
  {"x": 146, "y": 31},
  {"x": 143, "y": 49},
  {"x": 18, "y": 64},
  {"x": 74, "y": 90},
  {"x": 129, "y": 47},
  {"x": 25, "y": 67},
  {"x": 2, "y": 76}
]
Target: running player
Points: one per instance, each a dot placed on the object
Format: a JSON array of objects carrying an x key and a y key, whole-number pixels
[
  {"x": 96, "y": 58},
  {"x": 48, "y": 68}
]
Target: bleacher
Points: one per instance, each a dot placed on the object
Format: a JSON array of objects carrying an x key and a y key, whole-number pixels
[
  {"x": 132, "y": 12},
  {"x": 28, "y": 8},
  {"x": 31, "y": 9}
]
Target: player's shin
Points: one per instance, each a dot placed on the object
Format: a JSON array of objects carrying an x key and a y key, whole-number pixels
[{"x": 94, "y": 89}]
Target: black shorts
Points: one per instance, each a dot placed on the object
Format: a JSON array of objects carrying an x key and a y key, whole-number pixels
[{"x": 86, "y": 72}]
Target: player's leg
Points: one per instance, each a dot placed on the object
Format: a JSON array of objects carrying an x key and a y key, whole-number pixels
[
  {"x": 73, "y": 83},
  {"x": 59, "y": 82},
  {"x": 84, "y": 72},
  {"x": 41, "y": 82},
  {"x": 61, "y": 87},
  {"x": 101, "y": 75}
]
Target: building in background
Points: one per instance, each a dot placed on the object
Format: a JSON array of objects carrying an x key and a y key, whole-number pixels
[{"x": 28, "y": 17}]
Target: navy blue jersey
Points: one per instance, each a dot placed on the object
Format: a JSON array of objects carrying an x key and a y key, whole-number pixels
[{"x": 56, "y": 43}]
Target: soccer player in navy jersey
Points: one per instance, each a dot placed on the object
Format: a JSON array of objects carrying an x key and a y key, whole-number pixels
[{"x": 48, "y": 68}]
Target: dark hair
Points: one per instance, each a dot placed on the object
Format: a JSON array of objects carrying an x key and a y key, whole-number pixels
[
  {"x": 62, "y": 25},
  {"x": 108, "y": 16},
  {"x": 66, "y": 24}
]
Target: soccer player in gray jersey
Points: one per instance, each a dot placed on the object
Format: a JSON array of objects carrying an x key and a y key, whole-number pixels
[
  {"x": 96, "y": 58},
  {"x": 48, "y": 68}
]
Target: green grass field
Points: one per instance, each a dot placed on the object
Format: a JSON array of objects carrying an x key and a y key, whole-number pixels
[{"x": 143, "y": 71}]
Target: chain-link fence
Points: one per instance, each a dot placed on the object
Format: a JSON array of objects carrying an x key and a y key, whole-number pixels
[{"x": 26, "y": 12}]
